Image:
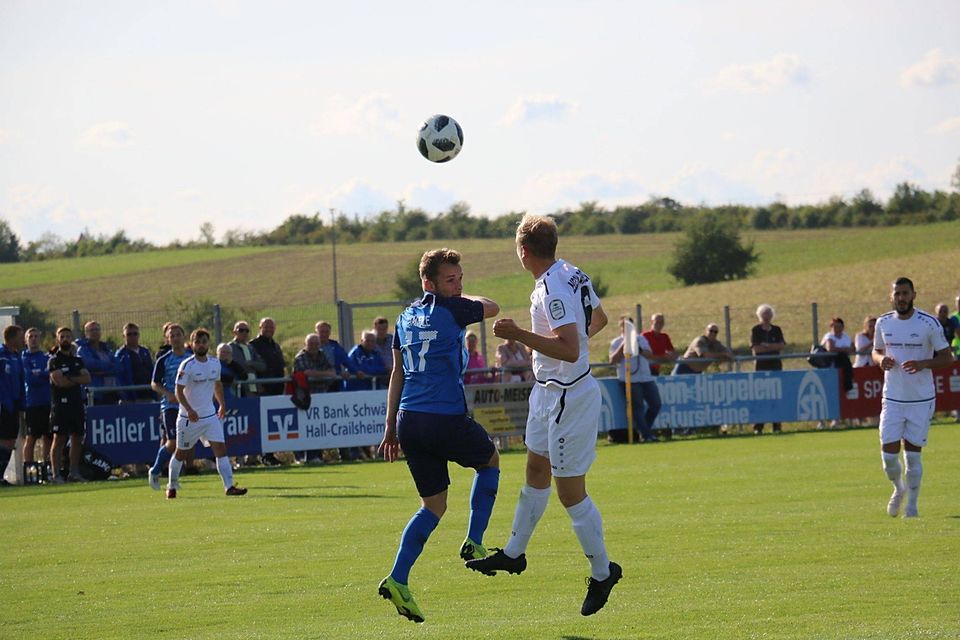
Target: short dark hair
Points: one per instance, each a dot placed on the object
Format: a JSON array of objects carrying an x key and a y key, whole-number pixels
[
  {"x": 62, "y": 329},
  {"x": 904, "y": 280},
  {"x": 380, "y": 320},
  {"x": 538, "y": 234},
  {"x": 837, "y": 320},
  {"x": 431, "y": 260},
  {"x": 11, "y": 332},
  {"x": 130, "y": 325},
  {"x": 200, "y": 332}
]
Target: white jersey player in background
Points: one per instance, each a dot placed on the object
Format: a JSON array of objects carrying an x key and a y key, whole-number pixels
[
  {"x": 907, "y": 344},
  {"x": 561, "y": 434},
  {"x": 198, "y": 384}
]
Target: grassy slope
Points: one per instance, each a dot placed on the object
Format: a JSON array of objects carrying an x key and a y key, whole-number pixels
[
  {"x": 773, "y": 537},
  {"x": 846, "y": 270}
]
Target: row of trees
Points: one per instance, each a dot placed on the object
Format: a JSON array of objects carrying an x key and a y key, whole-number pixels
[{"x": 908, "y": 204}]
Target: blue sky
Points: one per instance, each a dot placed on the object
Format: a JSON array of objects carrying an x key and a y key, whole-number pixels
[{"x": 156, "y": 117}]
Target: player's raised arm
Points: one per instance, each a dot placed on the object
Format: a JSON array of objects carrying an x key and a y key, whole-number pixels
[
  {"x": 564, "y": 344},
  {"x": 490, "y": 308}
]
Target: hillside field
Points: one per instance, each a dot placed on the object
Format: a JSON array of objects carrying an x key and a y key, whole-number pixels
[{"x": 846, "y": 271}]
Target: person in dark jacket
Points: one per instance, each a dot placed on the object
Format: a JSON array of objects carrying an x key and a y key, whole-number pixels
[
  {"x": 270, "y": 352},
  {"x": 12, "y": 393},
  {"x": 136, "y": 365},
  {"x": 98, "y": 360}
]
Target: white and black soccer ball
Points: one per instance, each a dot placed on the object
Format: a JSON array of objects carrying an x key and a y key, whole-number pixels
[{"x": 439, "y": 138}]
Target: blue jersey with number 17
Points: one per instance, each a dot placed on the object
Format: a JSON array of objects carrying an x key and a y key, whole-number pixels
[{"x": 429, "y": 334}]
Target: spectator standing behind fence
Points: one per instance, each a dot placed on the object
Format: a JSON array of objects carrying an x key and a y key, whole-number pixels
[
  {"x": 336, "y": 355},
  {"x": 272, "y": 355},
  {"x": 384, "y": 339},
  {"x": 136, "y": 365},
  {"x": 863, "y": 342},
  {"x": 943, "y": 317},
  {"x": 230, "y": 370},
  {"x": 766, "y": 339},
  {"x": 364, "y": 358},
  {"x": 246, "y": 357},
  {"x": 99, "y": 361},
  {"x": 475, "y": 360},
  {"x": 37, "y": 397},
  {"x": 705, "y": 346},
  {"x": 164, "y": 383},
  {"x": 514, "y": 361},
  {"x": 838, "y": 342},
  {"x": 955, "y": 321},
  {"x": 12, "y": 392},
  {"x": 644, "y": 394},
  {"x": 68, "y": 374},
  {"x": 660, "y": 344},
  {"x": 312, "y": 361}
]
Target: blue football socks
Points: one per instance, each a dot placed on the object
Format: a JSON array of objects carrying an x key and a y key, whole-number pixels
[
  {"x": 482, "y": 497},
  {"x": 163, "y": 458},
  {"x": 414, "y": 536}
]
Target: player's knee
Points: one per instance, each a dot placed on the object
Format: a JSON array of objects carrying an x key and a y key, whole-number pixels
[{"x": 494, "y": 461}]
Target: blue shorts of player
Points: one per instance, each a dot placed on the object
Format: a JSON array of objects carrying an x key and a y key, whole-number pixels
[
  {"x": 430, "y": 440},
  {"x": 168, "y": 420}
]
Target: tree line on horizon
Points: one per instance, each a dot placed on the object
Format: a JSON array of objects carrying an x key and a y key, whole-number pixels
[{"x": 909, "y": 204}]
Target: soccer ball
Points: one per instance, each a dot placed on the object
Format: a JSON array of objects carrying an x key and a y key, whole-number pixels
[{"x": 439, "y": 138}]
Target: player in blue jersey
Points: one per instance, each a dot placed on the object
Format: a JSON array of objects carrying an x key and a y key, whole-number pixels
[
  {"x": 427, "y": 416},
  {"x": 165, "y": 383}
]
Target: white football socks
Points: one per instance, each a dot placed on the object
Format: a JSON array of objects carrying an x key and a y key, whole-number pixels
[
  {"x": 226, "y": 471},
  {"x": 914, "y": 473},
  {"x": 530, "y": 508},
  {"x": 175, "y": 466},
  {"x": 588, "y": 526},
  {"x": 891, "y": 466}
]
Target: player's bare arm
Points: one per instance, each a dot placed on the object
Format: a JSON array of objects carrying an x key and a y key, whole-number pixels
[
  {"x": 564, "y": 344},
  {"x": 390, "y": 445},
  {"x": 490, "y": 308},
  {"x": 598, "y": 321},
  {"x": 182, "y": 399},
  {"x": 218, "y": 396},
  {"x": 941, "y": 359}
]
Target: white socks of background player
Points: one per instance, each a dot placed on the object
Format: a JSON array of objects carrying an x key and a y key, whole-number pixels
[
  {"x": 530, "y": 507},
  {"x": 913, "y": 474},
  {"x": 175, "y": 467},
  {"x": 588, "y": 526},
  {"x": 225, "y": 471},
  {"x": 891, "y": 466}
]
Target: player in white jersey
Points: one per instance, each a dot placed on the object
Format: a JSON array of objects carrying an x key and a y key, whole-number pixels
[
  {"x": 198, "y": 384},
  {"x": 561, "y": 435},
  {"x": 907, "y": 344}
]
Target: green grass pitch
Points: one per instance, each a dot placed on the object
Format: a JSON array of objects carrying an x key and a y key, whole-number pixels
[{"x": 743, "y": 537}]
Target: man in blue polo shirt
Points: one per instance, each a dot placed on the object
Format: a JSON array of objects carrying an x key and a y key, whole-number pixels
[{"x": 427, "y": 416}]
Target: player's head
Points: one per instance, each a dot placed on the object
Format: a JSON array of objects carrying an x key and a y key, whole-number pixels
[
  {"x": 765, "y": 313},
  {"x": 536, "y": 238},
  {"x": 92, "y": 331},
  {"x": 837, "y": 324},
  {"x": 65, "y": 339},
  {"x": 380, "y": 325},
  {"x": 903, "y": 295},
  {"x": 174, "y": 335},
  {"x": 267, "y": 327},
  {"x": 13, "y": 337},
  {"x": 200, "y": 341},
  {"x": 657, "y": 321},
  {"x": 441, "y": 273}
]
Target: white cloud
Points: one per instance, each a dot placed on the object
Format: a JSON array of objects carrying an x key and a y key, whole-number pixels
[
  {"x": 429, "y": 197},
  {"x": 537, "y": 109},
  {"x": 771, "y": 163},
  {"x": 33, "y": 210},
  {"x": 950, "y": 125},
  {"x": 112, "y": 134},
  {"x": 372, "y": 112},
  {"x": 569, "y": 188},
  {"x": 880, "y": 178},
  {"x": 934, "y": 70},
  {"x": 353, "y": 197},
  {"x": 695, "y": 184},
  {"x": 191, "y": 196},
  {"x": 785, "y": 69}
]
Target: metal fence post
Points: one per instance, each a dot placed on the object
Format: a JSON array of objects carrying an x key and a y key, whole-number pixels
[
  {"x": 76, "y": 322},
  {"x": 814, "y": 320},
  {"x": 217, "y": 324},
  {"x": 638, "y": 318},
  {"x": 345, "y": 322},
  {"x": 729, "y": 333}
]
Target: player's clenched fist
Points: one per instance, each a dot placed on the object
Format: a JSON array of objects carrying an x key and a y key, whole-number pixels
[{"x": 506, "y": 328}]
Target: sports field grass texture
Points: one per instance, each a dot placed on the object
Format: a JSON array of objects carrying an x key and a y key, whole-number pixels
[{"x": 744, "y": 537}]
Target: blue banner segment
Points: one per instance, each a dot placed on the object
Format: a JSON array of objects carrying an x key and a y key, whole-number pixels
[
  {"x": 733, "y": 398},
  {"x": 130, "y": 433}
]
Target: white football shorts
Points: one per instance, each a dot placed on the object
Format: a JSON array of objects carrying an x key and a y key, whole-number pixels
[
  {"x": 908, "y": 421},
  {"x": 209, "y": 429},
  {"x": 562, "y": 425}
]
